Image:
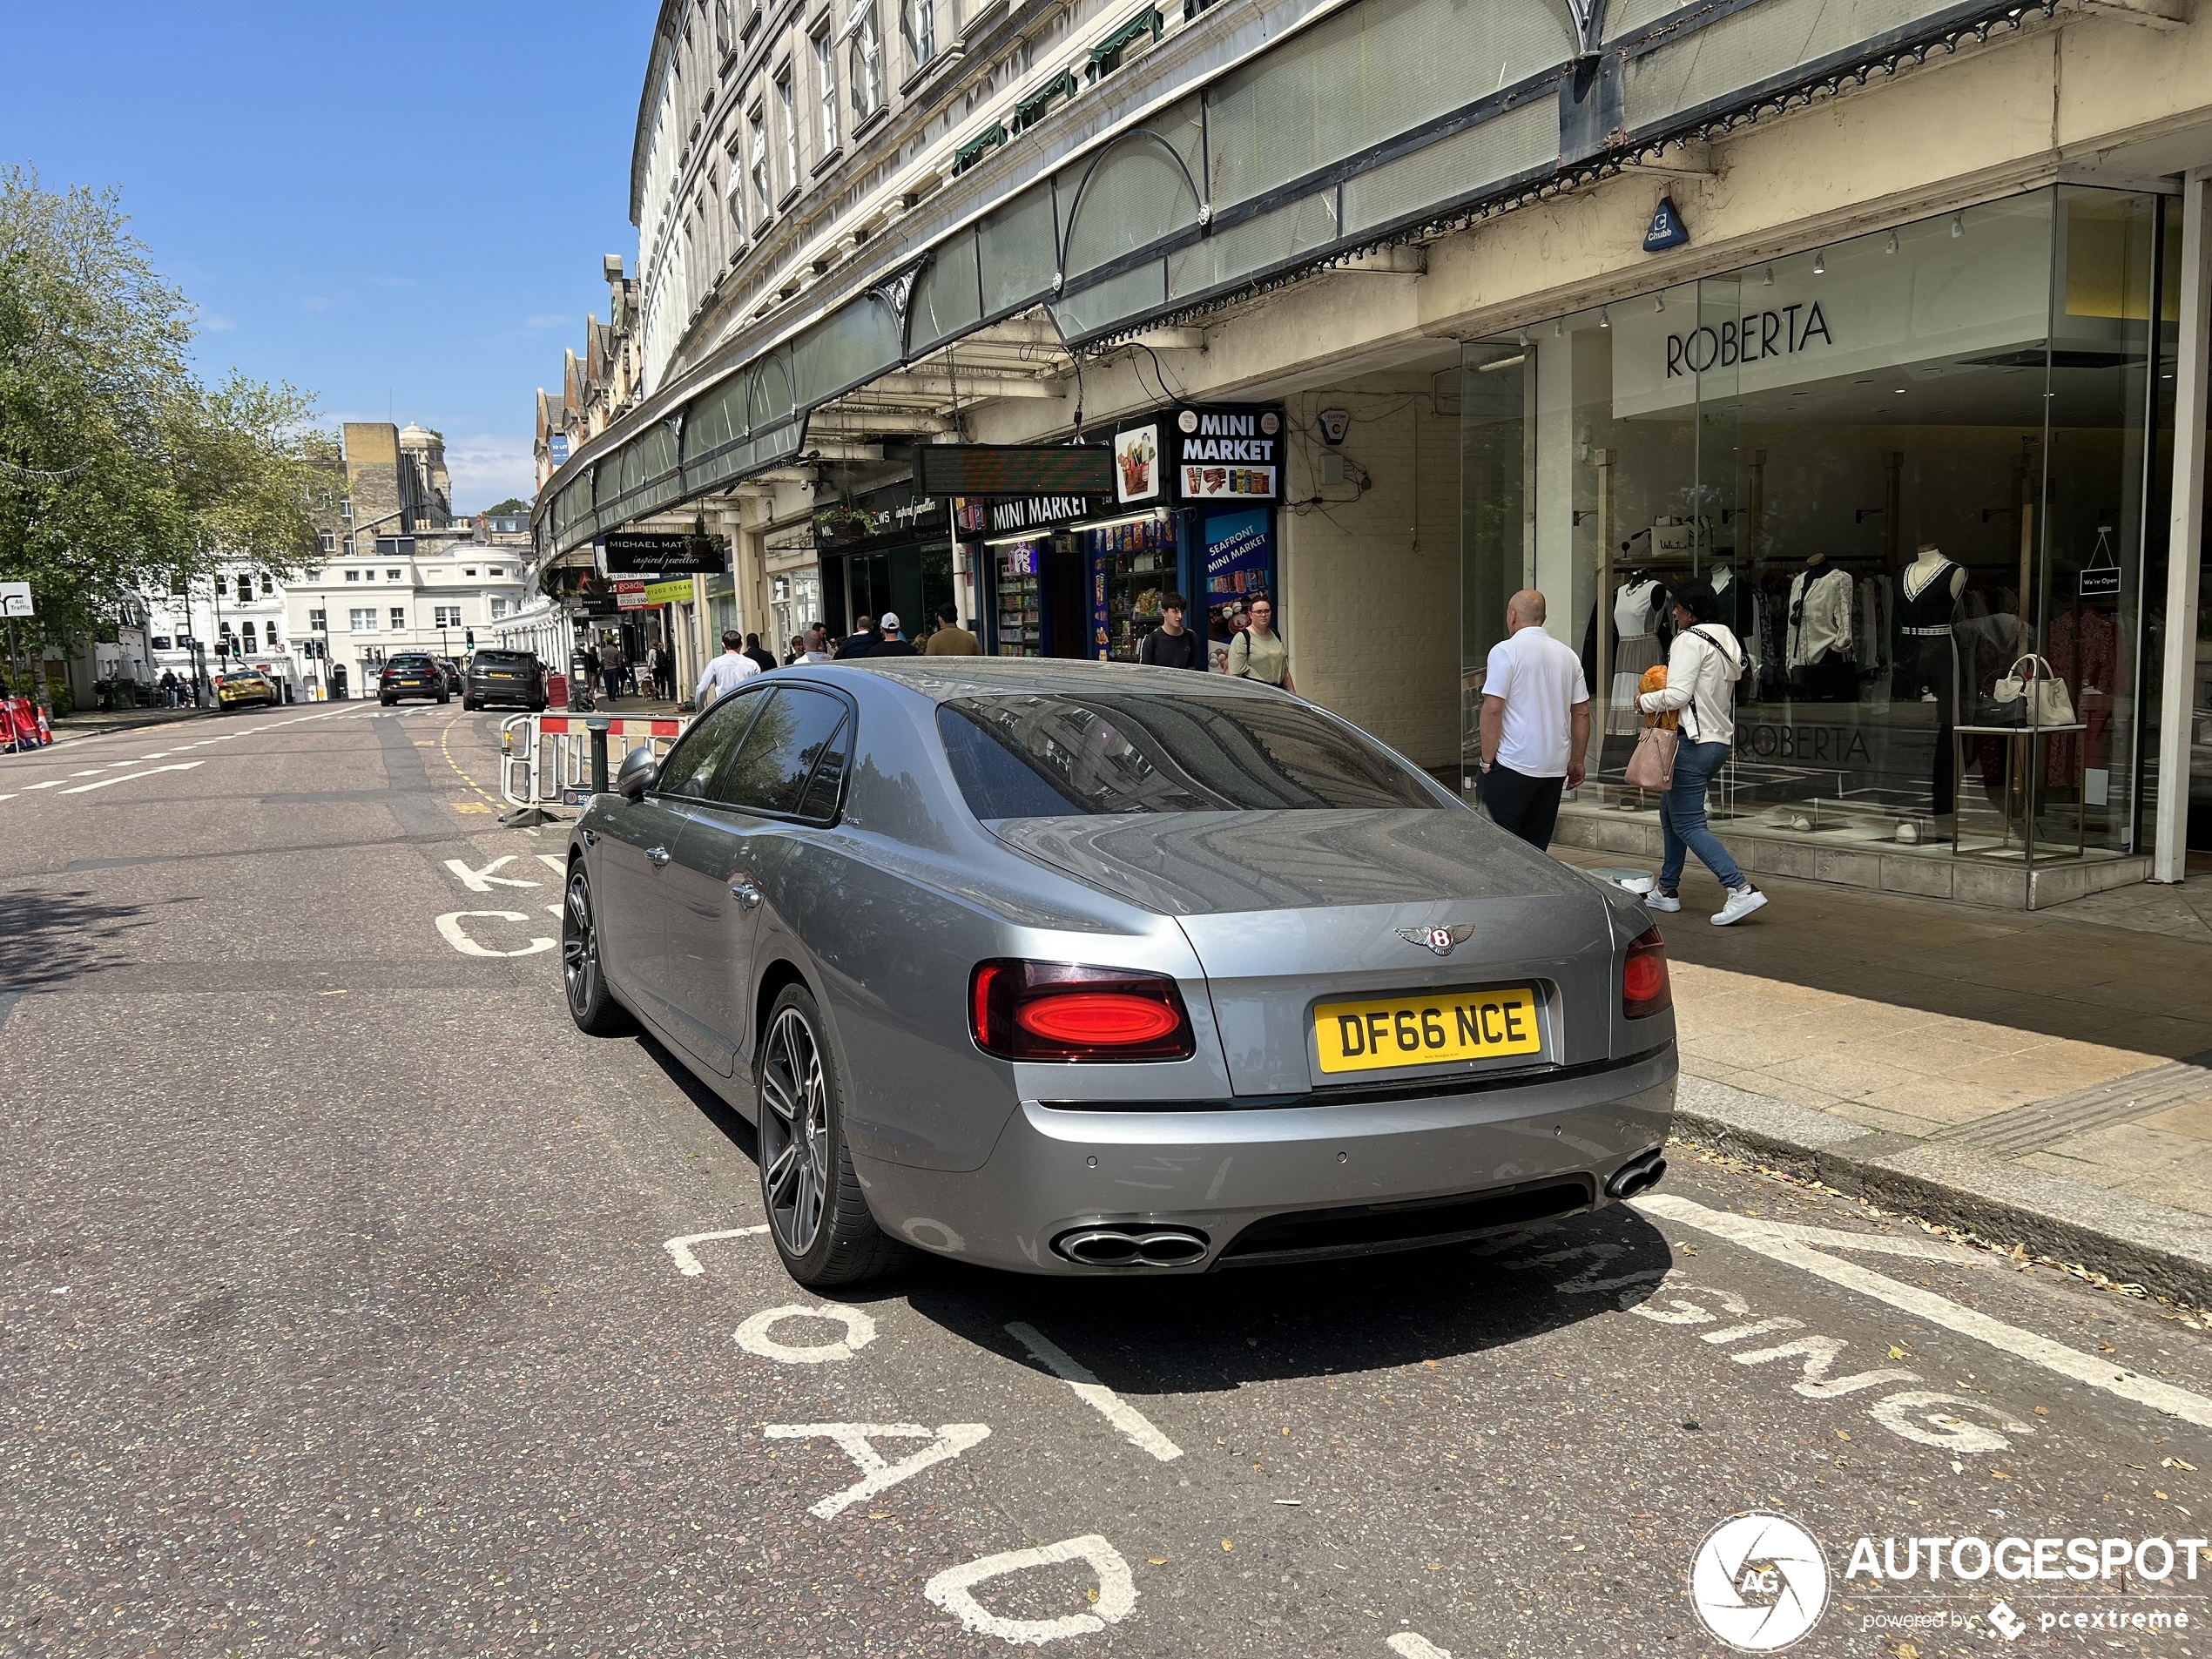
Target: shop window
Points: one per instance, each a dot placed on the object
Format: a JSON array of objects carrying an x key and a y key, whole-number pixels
[{"x": 1905, "y": 461}]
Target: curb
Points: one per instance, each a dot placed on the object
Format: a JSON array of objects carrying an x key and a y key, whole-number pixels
[
  {"x": 65, "y": 732},
  {"x": 2129, "y": 1240}
]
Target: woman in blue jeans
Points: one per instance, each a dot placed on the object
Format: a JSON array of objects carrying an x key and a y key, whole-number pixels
[{"x": 1702, "y": 671}]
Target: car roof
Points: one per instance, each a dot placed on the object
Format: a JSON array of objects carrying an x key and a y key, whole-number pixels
[{"x": 942, "y": 680}]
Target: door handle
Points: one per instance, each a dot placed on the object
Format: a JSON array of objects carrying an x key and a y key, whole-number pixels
[
  {"x": 657, "y": 854},
  {"x": 746, "y": 894}
]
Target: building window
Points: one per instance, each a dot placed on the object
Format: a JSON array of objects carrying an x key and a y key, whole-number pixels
[
  {"x": 246, "y": 586},
  {"x": 246, "y": 633},
  {"x": 917, "y": 23},
  {"x": 787, "y": 112},
  {"x": 448, "y": 617},
  {"x": 764, "y": 190},
  {"x": 498, "y": 608},
  {"x": 725, "y": 34},
  {"x": 826, "y": 92},
  {"x": 316, "y": 622},
  {"x": 496, "y": 570},
  {"x": 222, "y": 588},
  {"x": 329, "y": 542},
  {"x": 353, "y": 576},
  {"x": 393, "y": 575},
  {"x": 398, "y": 619},
  {"x": 867, "y": 67},
  {"x": 471, "y": 570},
  {"x": 363, "y": 620}
]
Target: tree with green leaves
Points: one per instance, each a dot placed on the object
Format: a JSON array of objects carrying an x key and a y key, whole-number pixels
[
  {"x": 512, "y": 504},
  {"x": 120, "y": 470}
]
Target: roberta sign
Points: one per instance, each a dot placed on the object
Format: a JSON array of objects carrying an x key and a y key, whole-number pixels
[{"x": 1750, "y": 337}]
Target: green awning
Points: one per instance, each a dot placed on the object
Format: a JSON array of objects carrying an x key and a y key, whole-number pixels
[
  {"x": 1145, "y": 23},
  {"x": 1031, "y": 109},
  {"x": 971, "y": 153}
]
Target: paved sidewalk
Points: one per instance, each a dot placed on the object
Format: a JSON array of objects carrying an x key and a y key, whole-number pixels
[
  {"x": 2044, "y": 1077},
  {"x": 92, "y": 722}
]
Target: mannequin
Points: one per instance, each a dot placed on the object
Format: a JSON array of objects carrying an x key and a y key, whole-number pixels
[
  {"x": 1927, "y": 662},
  {"x": 1820, "y": 633},
  {"x": 1637, "y": 605}
]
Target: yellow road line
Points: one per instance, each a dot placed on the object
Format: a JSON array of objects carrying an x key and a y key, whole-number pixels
[{"x": 445, "y": 749}]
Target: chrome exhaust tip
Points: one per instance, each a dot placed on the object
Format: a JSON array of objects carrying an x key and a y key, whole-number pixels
[
  {"x": 1640, "y": 1174},
  {"x": 1133, "y": 1246}
]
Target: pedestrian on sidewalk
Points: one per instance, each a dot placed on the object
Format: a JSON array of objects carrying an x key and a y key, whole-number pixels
[
  {"x": 1172, "y": 644},
  {"x": 888, "y": 643},
  {"x": 1258, "y": 653},
  {"x": 652, "y": 666},
  {"x": 796, "y": 649},
  {"x": 727, "y": 672},
  {"x": 860, "y": 641},
  {"x": 1703, "y": 667},
  {"x": 762, "y": 660},
  {"x": 951, "y": 639},
  {"x": 815, "y": 647},
  {"x": 1534, "y": 727}
]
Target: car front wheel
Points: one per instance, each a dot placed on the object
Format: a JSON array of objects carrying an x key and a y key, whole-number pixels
[
  {"x": 816, "y": 1213},
  {"x": 591, "y": 1004}
]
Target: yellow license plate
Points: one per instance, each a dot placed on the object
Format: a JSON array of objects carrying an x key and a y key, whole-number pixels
[{"x": 1428, "y": 1028}]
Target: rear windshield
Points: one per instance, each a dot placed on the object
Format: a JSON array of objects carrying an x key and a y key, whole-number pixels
[
  {"x": 501, "y": 660},
  {"x": 410, "y": 664},
  {"x": 1056, "y": 755}
]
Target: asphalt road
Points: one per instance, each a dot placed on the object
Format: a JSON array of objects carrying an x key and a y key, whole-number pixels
[{"x": 355, "y": 1303}]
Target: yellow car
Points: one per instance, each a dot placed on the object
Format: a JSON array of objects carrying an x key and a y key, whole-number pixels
[{"x": 239, "y": 691}]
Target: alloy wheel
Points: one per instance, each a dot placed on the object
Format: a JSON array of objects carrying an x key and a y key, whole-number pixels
[
  {"x": 794, "y": 1131},
  {"x": 579, "y": 948}
]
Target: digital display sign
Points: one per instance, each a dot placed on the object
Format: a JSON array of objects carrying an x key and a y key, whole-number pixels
[{"x": 1015, "y": 469}]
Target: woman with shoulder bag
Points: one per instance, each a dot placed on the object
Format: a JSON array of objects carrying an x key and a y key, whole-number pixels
[{"x": 1702, "y": 671}]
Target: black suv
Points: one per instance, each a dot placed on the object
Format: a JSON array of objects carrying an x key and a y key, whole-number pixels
[
  {"x": 411, "y": 675},
  {"x": 504, "y": 676}
]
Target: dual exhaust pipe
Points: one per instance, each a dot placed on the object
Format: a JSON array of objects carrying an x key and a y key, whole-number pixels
[
  {"x": 1640, "y": 1174},
  {"x": 1132, "y": 1246}
]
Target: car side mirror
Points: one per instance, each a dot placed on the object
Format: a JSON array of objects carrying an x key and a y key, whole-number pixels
[{"x": 640, "y": 770}]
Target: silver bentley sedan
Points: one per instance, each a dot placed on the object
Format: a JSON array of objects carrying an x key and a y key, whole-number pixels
[{"x": 1080, "y": 969}]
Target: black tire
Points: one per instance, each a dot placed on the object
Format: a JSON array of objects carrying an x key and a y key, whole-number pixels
[
  {"x": 444, "y": 697},
  {"x": 469, "y": 705},
  {"x": 388, "y": 702},
  {"x": 591, "y": 1004},
  {"x": 817, "y": 1216},
  {"x": 537, "y": 707}
]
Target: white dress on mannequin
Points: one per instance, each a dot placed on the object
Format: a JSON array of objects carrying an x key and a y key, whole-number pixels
[{"x": 1635, "y": 647}]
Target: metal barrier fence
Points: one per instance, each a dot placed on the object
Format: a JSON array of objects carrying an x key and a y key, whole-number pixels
[{"x": 545, "y": 759}]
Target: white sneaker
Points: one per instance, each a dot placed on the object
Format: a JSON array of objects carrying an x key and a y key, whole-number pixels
[
  {"x": 1655, "y": 900},
  {"x": 1741, "y": 903}
]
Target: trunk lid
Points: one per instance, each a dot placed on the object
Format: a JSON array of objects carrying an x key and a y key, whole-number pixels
[{"x": 1291, "y": 910}]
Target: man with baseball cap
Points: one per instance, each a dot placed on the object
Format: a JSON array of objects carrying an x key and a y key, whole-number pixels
[{"x": 891, "y": 644}]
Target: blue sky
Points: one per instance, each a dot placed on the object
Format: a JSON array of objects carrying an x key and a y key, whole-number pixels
[{"x": 402, "y": 209}]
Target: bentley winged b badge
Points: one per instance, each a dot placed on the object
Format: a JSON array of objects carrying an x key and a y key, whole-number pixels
[{"x": 1440, "y": 940}]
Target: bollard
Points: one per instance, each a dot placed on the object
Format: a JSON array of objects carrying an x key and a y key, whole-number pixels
[{"x": 598, "y": 730}]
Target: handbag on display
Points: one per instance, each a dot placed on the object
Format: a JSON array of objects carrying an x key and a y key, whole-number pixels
[
  {"x": 2037, "y": 697},
  {"x": 1652, "y": 765}
]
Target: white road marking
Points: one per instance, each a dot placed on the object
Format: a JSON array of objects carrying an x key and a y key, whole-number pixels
[
  {"x": 1408, "y": 1645},
  {"x": 132, "y": 777},
  {"x": 554, "y": 862},
  {"x": 1906, "y": 1416},
  {"x": 679, "y": 1250},
  {"x": 1132, "y": 1423},
  {"x": 1762, "y": 1238},
  {"x": 52, "y": 783},
  {"x": 93, "y": 772},
  {"x": 7, "y": 797},
  {"x": 852, "y": 1439},
  {"x": 454, "y": 933},
  {"x": 482, "y": 880},
  {"x": 859, "y": 1330},
  {"x": 953, "y": 1591}
]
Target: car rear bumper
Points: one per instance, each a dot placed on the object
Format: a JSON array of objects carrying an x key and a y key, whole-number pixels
[
  {"x": 1303, "y": 1181},
  {"x": 506, "y": 692}
]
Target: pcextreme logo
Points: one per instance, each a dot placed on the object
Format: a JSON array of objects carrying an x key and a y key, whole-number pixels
[{"x": 1759, "y": 1581}]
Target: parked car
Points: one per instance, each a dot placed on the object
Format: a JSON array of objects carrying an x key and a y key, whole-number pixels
[
  {"x": 245, "y": 690},
  {"x": 1080, "y": 969},
  {"x": 411, "y": 674},
  {"x": 512, "y": 677}
]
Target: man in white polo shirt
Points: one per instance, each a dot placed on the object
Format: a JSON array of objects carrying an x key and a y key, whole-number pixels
[
  {"x": 1535, "y": 723},
  {"x": 727, "y": 672}
]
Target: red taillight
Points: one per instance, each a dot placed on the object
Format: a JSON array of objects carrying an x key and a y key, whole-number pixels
[
  {"x": 1058, "y": 1011},
  {"x": 1644, "y": 989}
]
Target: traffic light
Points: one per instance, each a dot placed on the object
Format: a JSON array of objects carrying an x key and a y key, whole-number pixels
[{"x": 468, "y": 638}]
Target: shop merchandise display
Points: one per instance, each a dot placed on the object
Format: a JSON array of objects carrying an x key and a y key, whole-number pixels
[
  {"x": 1820, "y": 627},
  {"x": 1927, "y": 662}
]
